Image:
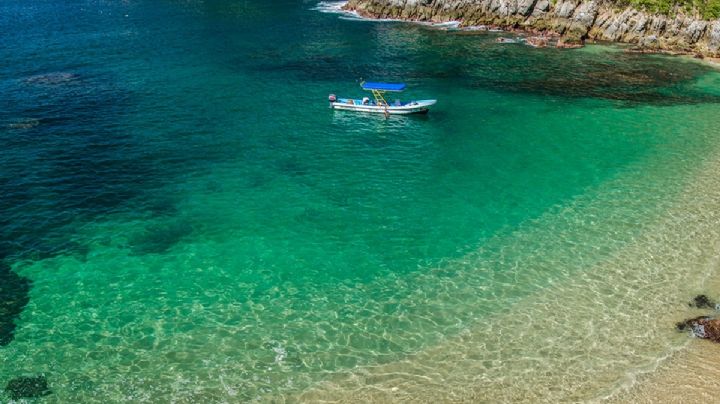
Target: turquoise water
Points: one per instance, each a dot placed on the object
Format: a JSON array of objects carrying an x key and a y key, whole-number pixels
[{"x": 185, "y": 219}]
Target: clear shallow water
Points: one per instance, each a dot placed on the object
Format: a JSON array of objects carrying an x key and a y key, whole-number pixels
[{"x": 198, "y": 225}]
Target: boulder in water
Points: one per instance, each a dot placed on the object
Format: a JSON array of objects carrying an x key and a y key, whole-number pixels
[
  {"x": 702, "y": 327},
  {"x": 564, "y": 43},
  {"x": 14, "y": 296},
  {"x": 703, "y": 302},
  {"x": 537, "y": 41},
  {"x": 25, "y": 123},
  {"x": 27, "y": 387}
]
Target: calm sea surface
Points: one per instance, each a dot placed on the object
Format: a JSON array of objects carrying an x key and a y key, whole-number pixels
[{"x": 182, "y": 218}]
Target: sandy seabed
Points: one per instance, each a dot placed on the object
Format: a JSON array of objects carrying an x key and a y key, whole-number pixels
[{"x": 605, "y": 334}]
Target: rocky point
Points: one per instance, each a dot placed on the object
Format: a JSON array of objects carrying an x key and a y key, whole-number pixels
[{"x": 575, "y": 21}]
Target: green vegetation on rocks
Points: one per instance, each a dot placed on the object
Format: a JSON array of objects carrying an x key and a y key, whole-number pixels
[{"x": 708, "y": 9}]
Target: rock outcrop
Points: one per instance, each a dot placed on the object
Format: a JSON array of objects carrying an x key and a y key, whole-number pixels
[
  {"x": 707, "y": 327},
  {"x": 14, "y": 295},
  {"x": 703, "y": 302},
  {"x": 574, "y": 20},
  {"x": 702, "y": 327},
  {"x": 27, "y": 387}
]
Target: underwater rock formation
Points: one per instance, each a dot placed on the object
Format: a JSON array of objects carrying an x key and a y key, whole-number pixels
[
  {"x": 574, "y": 20},
  {"x": 24, "y": 123},
  {"x": 14, "y": 295},
  {"x": 52, "y": 79},
  {"x": 703, "y": 302},
  {"x": 27, "y": 387},
  {"x": 702, "y": 327},
  {"x": 706, "y": 327}
]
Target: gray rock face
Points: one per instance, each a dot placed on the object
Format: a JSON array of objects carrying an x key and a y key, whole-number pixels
[
  {"x": 565, "y": 9},
  {"x": 585, "y": 14},
  {"x": 695, "y": 30},
  {"x": 541, "y": 7},
  {"x": 714, "y": 38},
  {"x": 525, "y": 7},
  {"x": 575, "y": 20}
]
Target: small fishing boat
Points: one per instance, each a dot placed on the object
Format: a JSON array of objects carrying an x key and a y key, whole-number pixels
[{"x": 380, "y": 105}]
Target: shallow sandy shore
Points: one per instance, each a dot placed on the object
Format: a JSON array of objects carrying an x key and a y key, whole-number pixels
[
  {"x": 604, "y": 334},
  {"x": 691, "y": 374},
  {"x": 715, "y": 62}
]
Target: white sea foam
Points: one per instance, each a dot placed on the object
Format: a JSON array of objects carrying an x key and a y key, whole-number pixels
[
  {"x": 336, "y": 7},
  {"x": 444, "y": 25},
  {"x": 331, "y": 7},
  {"x": 280, "y": 354}
]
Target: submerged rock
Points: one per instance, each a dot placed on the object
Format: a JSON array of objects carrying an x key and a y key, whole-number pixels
[
  {"x": 706, "y": 327},
  {"x": 14, "y": 295},
  {"x": 703, "y": 302},
  {"x": 25, "y": 123},
  {"x": 565, "y": 44},
  {"x": 702, "y": 327},
  {"x": 27, "y": 387},
  {"x": 52, "y": 79},
  {"x": 160, "y": 238},
  {"x": 537, "y": 42}
]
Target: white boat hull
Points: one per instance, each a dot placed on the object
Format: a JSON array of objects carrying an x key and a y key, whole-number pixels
[{"x": 414, "y": 107}]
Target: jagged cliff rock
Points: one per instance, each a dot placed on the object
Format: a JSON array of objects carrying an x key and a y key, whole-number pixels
[{"x": 574, "y": 20}]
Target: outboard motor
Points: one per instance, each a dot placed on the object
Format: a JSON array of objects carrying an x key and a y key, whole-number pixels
[{"x": 332, "y": 98}]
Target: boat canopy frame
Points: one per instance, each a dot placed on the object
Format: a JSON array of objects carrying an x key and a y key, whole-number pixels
[
  {"x": 378, "y": 90},
  {"x": 378, "y": 86}
]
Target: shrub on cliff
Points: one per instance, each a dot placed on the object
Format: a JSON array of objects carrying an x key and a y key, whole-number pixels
[
  {"x": 712, "y": 9},
  {"x": 709, "y": 9}
]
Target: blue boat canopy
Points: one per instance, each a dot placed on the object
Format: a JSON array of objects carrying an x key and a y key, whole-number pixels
[{"x": 383, "y": 86}]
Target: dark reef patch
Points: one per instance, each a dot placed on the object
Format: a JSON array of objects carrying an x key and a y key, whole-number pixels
[
  {"x": 80, "y": 164},
  {"x": 292, "y": 167},
  {"x": 27, "y": 387},
  {"x": 622, "y": 77},
  {"x": 160, "y": 238},
  {"x": 71, "y": 167},
  {"x": 72, "y": 163},
  {"x": 477, "y": 61},
  {"x": 14, "y": 296},
  {"x": 702, "y": 302}
]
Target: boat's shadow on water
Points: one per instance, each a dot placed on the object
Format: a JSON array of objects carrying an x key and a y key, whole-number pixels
[
  {"x": 397, "y": 126},
  {"x": 363, "y": 119}
]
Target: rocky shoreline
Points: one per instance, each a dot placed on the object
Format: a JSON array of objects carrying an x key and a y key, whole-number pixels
[{"x": 573, "y": 21}]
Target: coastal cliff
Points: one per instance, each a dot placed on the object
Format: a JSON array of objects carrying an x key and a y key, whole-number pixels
[{"x": 680, "y": 29}]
